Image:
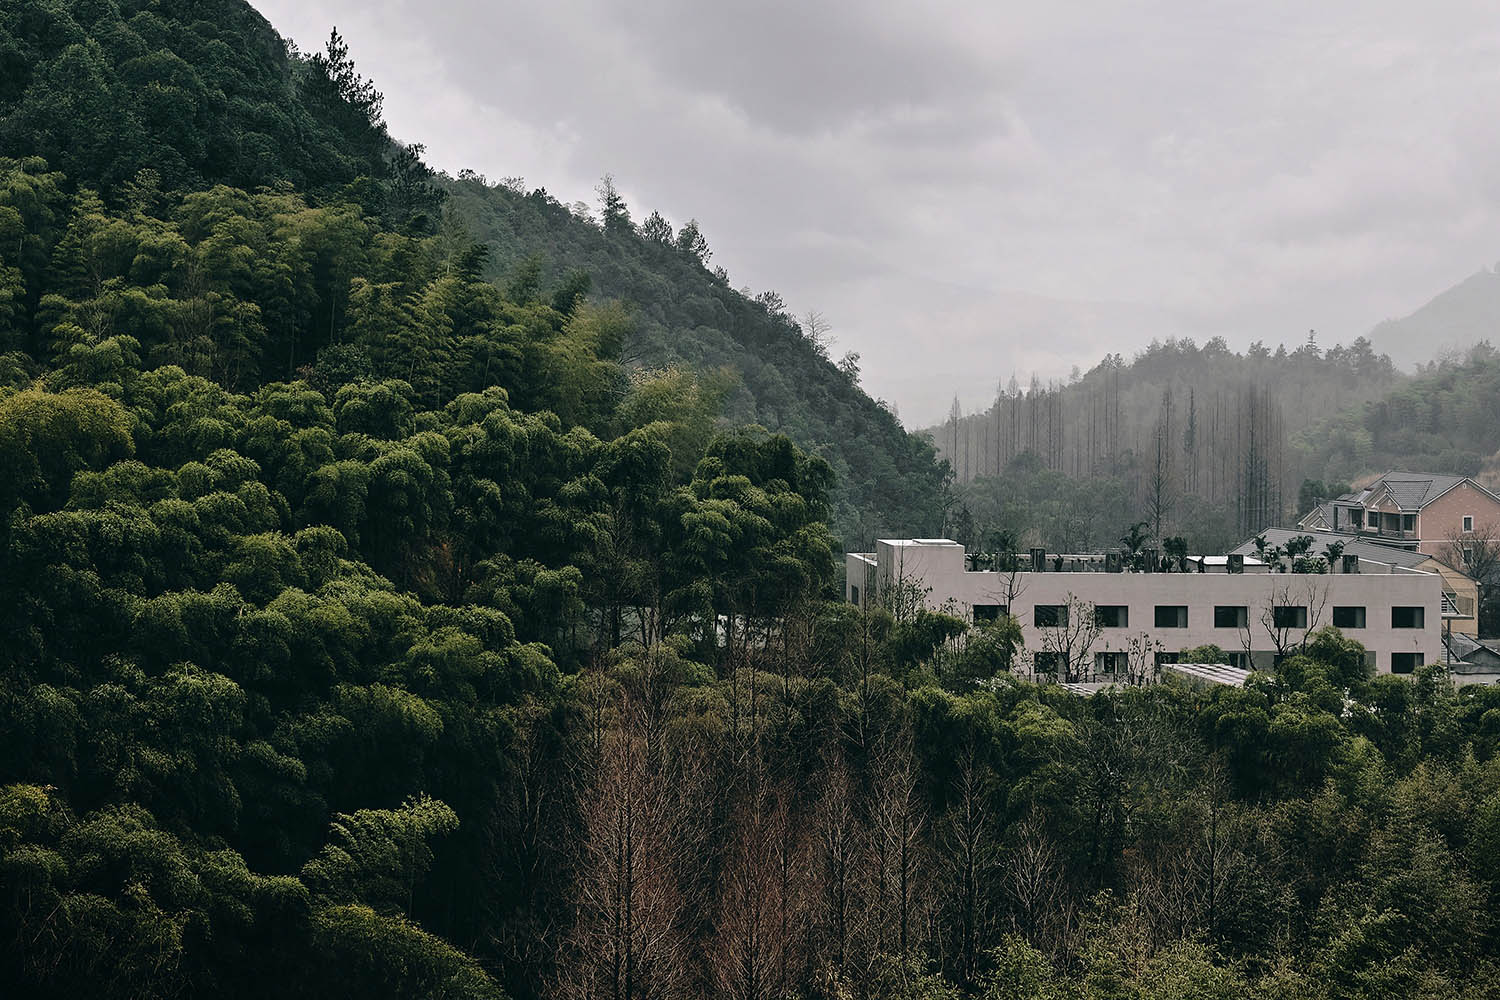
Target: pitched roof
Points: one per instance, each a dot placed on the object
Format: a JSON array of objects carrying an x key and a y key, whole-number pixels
[
  {"x": 1468, "y": 650},
  {"x": 1320, "y": 516},
  {"x": 1368, "y": 551},
  {"x": 1415, "y": 490},
  {"x": 1410, "y": 491}
]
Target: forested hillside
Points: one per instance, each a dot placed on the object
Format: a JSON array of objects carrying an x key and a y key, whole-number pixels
[
  {"x": 372, "y": 630},
  {"x": 778, "y": 373},
  {"x": 1445, "y": 419},
  {"x": 1195, "y": 441}
]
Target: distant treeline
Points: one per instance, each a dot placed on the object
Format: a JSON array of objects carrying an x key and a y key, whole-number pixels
[{"x": 1199, "y": 441}]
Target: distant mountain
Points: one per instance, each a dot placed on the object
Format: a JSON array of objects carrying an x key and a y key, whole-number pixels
[{"x": 1449, "y": 324}]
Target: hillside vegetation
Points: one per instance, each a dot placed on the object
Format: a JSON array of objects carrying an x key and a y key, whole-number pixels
[
  {"x": 373, "y": 630},
  {"x": 1197, "y": 441},
  {"x": 778, "y": 374}
]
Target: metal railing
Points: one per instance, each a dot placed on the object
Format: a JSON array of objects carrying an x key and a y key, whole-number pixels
[{"x": 1455, "y": 606}]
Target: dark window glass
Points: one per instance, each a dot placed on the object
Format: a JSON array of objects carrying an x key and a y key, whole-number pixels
[
  {"x": 1405, "y": 663},
  {"x": 1112, "y": 615},
  {"x": 1289, "y": 617},
  {"x": 1408, "y": 617},
  {"x": 1348, "y": 617},
  {"x": 1050, "y": 616},
  {"x": 1171, "y": 616},
  {"x": 1231, "y": 616},
  {"x": 988, "y": 612}
]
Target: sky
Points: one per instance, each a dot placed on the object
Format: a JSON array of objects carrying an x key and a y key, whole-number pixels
[{"x": 971, "y": 191}]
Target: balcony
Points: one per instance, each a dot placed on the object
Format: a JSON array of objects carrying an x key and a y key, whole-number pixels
[{"x": 1394, "y": 534}]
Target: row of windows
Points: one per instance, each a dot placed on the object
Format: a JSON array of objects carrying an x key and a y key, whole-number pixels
[
  {"x": 1225, "y": 616},
  {"x": 1118, "y": 663}
]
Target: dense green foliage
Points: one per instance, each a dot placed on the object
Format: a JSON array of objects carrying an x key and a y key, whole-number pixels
[
  {"x": 372, "y": 630},
  {"x": 249, "y": 633},
  {"x": 887, "y": 481},
  {"x": 189, "y": 92}
]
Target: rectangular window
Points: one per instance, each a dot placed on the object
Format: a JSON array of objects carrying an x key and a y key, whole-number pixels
[
  {"x": 1468, "y": 522},
  {"x": 1166, "y": 658},
  {"x": 1171, "y": 616},
  {"x": 1348, "y": 617},
  {"x": 1287, "y": 616},
  {"x": 1405, "y": 663},
  {"x": 1112, "y": 615},
  {"x": 1231, "y": 616},
  {"x": 1240, "y": 660},
  {"x": 1111, "y": 664},
  {"x": 1050, "y": 616},
  {"x": 988, "y": 613},
  {"x": 1357, "y": 518},
  {"x": 1408, "y": 617},
  {"x": 1408, "y": 522}
]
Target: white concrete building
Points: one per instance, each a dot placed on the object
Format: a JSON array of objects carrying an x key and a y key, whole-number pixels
[{"x": 1082, "y": 618}]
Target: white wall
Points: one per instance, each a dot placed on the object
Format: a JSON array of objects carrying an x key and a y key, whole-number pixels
[{"x": 941, "y": 568}]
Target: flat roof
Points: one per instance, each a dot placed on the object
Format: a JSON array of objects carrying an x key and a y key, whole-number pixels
[
  {"x": 1085, "y": 689},
  {"x": 1212, "y": 673}
]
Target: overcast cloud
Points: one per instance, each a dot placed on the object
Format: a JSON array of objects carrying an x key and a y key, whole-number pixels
[{"x": 968, "y": 191}]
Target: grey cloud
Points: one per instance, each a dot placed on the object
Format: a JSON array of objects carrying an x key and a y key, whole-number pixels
[{"x": 987, "y": 188}]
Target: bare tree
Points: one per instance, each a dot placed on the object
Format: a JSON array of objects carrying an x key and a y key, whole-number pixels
[
  {"x": 836, "y": 840},
  {"x": 1477, "y": 554},
  {"x": 897, "y": 856},
  {"x": 819, "y": 332},
  {"x": 1140, "y": 658},
  {"x": 971, "y": 854},
  {"x": 747, "y": 953},
  {"x": 1034, "y": 878},
  {"x": 627, "y": 942},
  {"x": 1069, "y": 641},
  {"x": 1287, "y": 630}
]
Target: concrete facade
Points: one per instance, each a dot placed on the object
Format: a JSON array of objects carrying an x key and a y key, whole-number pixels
[
  {"x": 1176, "y": 610},
  {"x": 1461, "y": 589}
]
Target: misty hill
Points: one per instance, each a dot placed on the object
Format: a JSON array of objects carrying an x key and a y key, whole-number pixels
[
  {"x": 1445, "y": 419},
  {"x": 683, "y": 313},
  {"x": 1452, "y": 322},
  {"x": 1199, "y": 441}
]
